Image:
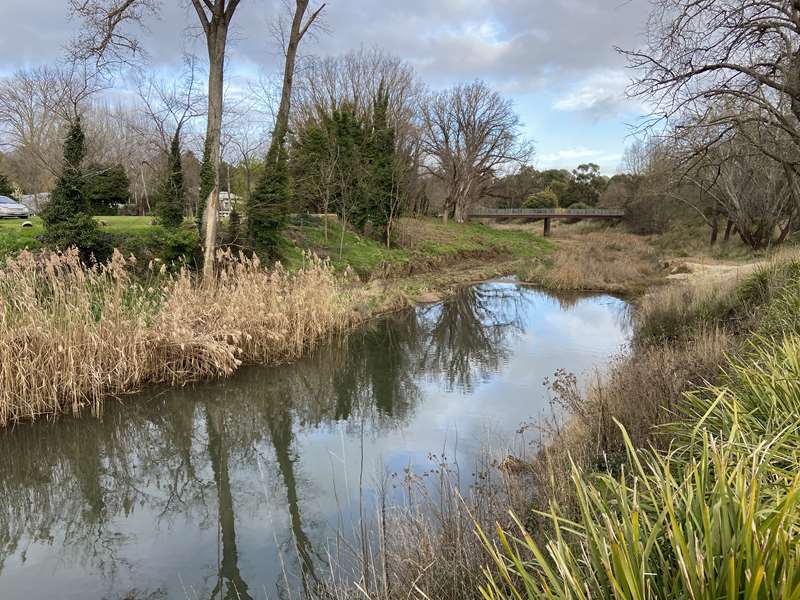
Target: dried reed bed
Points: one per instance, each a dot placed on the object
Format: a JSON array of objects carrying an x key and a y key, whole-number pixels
[
  {"x": 604, "y": 260},
  {"x": 71, "y": 335}
]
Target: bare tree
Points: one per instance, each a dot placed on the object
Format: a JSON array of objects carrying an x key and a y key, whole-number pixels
[
  {"x": 353, "y": 80},
  {"x": 469, "y": 134},
  {"x": 299, "y": 27},
  {"x": 31, "y": 103},
  {"x": 168, "y": 105},
  {"x": 727, "y": 63},
  {"x": 107, "y": 35},
  {"x": 756, "y": 193}
]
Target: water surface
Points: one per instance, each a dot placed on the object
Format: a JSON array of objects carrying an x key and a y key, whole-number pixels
[{"x": 226, "y": 490}]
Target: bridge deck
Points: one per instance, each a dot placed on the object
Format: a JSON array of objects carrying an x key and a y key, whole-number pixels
[{"x": 549, "y": 213}]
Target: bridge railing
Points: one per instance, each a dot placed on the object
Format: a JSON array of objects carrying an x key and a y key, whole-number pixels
[{"x": 547, "y": 212}]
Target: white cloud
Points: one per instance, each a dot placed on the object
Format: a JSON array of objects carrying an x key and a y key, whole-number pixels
[
  {"x": 569, "y": 158},
  {"x": 599, "y": 95}
]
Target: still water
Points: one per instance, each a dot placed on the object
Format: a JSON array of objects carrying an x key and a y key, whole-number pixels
[{"x": 224, "y": 490}]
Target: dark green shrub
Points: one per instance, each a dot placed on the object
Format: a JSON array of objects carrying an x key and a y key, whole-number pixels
[
  {"x": 67, "y": 217},
  {"x": 544, "y": 199}
]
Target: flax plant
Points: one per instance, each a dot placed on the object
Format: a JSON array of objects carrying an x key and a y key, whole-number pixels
[{"x": 717, "y": 516}]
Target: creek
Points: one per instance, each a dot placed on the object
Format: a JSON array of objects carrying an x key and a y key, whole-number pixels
[{"x": 231, "y": 489}]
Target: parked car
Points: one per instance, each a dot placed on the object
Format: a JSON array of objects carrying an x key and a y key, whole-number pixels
[{"x": 10, "y": 208}]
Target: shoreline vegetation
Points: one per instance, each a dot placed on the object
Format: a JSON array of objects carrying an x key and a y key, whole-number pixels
[
  {"x": 706, "y": 351},
  {"x": 670, "y": 475},
  {"x": 72, "y": 334}
]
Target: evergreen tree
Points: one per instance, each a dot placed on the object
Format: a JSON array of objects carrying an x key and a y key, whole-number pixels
[
  {"x": 268, "y": 208},
  {"x": 67, "y": 218},
  {"x": 234, "y": 226},
  {"x": 6, "y": 189},
  {"x": 351, "y": 181},
  {"x": 107, "y": 186},
  {"x": 206, "y": 184},
  {"x": 169, "y": 207},
  {"x": 382, "y": 180}
]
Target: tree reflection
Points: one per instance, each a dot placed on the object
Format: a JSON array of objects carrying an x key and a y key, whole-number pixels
[
  {"x": 230, "y": 584},
  {"x": 469, "y": 337},
  {"x": 191, "y": 456}
]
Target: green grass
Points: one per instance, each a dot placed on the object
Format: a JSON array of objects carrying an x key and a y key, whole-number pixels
[
  {"x": 14, "y": 237},
  {"x": 343, "y": 248},
  {"x": 419, "y": 242}
]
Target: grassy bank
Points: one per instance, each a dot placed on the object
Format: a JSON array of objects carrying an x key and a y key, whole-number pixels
[
  {"x": 670, "y": 477},
  {"x": 420, "y": 246},
  {"x": 712, "y": 508}
]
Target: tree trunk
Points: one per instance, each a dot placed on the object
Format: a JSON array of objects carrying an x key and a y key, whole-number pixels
[
  {"x": 217, "y": 38},
  {"x": 728, "y": 230},
  {"x": 714, "y": 232}
]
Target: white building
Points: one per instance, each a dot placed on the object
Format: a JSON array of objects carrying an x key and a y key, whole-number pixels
[{"x": 227, "y": 202}]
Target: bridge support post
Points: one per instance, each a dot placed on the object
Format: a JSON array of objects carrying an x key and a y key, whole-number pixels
[{"x": 547, "y": 227}]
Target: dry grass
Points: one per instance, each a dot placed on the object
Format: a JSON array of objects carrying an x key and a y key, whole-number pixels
[
  {"x": 599, "y": 260},
  {"x": 426, "y": 547},
  {"x": 71, "y": 335},
  {"x": 641, "y": 391}
]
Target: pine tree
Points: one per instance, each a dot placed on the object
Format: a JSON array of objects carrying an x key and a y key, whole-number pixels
[
  {"x": 67, "y": 218},
  {"x": 6, "y": 189},
  {"x": 169, "y": 207},
  {"x": 206, "y": 184},
  {"x": 350, "y": 139},
  {"x": 268, "y": 207}
]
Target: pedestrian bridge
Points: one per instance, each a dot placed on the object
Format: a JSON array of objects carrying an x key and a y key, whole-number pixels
[{"x": 546, "y": 214}]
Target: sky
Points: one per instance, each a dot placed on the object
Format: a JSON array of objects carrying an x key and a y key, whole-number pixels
[{"x": 554, "y": 58}]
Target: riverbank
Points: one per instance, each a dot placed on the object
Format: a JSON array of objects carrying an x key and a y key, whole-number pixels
[
  {"x": 681, "y": 460},
  {"x": 702, "y": 412},
  {"x": 73, "y": 335}
]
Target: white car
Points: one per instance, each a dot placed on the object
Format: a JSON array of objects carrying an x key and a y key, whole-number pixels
[{"x": 9, "y": 208}]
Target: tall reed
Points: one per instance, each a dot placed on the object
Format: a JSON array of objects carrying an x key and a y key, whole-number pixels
[{"x": 71, "y": 334}]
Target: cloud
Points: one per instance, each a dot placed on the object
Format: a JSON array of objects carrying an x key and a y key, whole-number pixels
[
  {"x": 569, "y": 158},
  {"x": 600, "y": 95},
  {"x": 527, "y": 44}
]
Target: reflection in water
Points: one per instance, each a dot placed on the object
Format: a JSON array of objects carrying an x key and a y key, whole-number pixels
[{"x": 231, "y": 489}]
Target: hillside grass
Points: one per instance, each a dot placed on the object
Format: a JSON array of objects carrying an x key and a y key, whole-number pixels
[{"x": 420, "y": 245}]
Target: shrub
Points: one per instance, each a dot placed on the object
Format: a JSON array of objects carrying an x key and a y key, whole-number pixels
[
  {"x": 6, "y": 189},
  {"x": 107, "y": 187},
  {"x": 545, "y": 199},
  {"x": 173, "y": 247}
]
